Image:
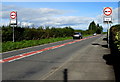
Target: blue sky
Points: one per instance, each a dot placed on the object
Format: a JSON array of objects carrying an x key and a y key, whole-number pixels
[
  {"x": 63, "y": 10},
  {"x": 81, "y": 8}
]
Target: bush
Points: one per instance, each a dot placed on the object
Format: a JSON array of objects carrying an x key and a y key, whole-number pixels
[
  {"x": 26, "y": 33},
  {"x": 115, "y": 39},
  {"x": 7, "y": 46}
]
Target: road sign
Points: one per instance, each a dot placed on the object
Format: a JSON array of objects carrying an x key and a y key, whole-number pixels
[
  {"x": 13, "y": 18},
  {"x": 13, "y": 21},
  {"x": 107, "y": 11},
  {"x": 107, "y": 19},
  {"x": 13, "y": 15}
]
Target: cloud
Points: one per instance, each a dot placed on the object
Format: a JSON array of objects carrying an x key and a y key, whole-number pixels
[
  {"x": 66, "y": 20},
  {"x": 45, "y": 17},
  {"x": 0, "y": 10},
  {"x": 115, "y": 15},
  {"x": 34, "y": 14},
  {"x": 53, "y": 17},
  {"x": 23, "y": 24},
  {"x": 30, "y": 13},
  {"x": 9, "y": 7},
  {"x": 62, "y": 21}
]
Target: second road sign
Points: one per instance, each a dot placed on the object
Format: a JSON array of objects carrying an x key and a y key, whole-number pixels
[{"x": 107, "y": 11}]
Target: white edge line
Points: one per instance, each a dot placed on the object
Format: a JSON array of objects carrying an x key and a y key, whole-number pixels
[
  {"x": 17, "y": 55},
  {"x": 24, "y": 56}
]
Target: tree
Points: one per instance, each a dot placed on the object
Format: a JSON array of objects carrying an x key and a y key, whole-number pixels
[
  {"x": 23, "y": 33},
  {"x": 93, "y": 26},
  {"x": 99, "y": 29}
]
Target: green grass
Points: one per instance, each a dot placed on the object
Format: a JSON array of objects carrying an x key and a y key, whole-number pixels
[
  {"x": 87, "y": 35},
  {"x": 104, "y": 33},
  {"x": 8, "y": 46}
]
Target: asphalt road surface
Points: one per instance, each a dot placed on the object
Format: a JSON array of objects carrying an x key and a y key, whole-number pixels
[{"x": 44, "y": 61}]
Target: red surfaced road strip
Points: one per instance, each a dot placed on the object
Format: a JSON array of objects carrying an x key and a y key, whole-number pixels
[{"x": 35, "y": 52}]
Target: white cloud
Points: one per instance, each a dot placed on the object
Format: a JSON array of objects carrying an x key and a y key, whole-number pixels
[
  {"x": 31, "y": 14},
  {"x": 66, "y": 21},
  {"x": 46, "y": 17},
  {"x": 23, "y": 24},
  {"x": 0, "y": 11},
  {"x": 115, "y": 15},
  {"x": 28, "y": 13},
  {"x": 53, "y": 17},
  {"x": 9, "y": 7}
]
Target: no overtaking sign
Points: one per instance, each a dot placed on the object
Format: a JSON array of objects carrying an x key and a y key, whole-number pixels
[
  {"x": 107, "y": 18},
  {"x": 13, "y": 18},
  {"x": 107, "y": 11},
  {"x": 13, "y": 15}
]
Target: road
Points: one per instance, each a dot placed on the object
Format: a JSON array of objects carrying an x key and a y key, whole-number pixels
[{"x": 44, "y": 61}]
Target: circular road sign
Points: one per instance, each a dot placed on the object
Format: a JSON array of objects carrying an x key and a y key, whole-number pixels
[
  {"x": 107, "y": 11},
  {"x": 13, "y": 15}
]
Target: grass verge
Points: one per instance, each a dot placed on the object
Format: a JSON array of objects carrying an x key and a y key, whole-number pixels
[
  {"x": 87, "y": 35},
  {"x": 8, "y": 46}
]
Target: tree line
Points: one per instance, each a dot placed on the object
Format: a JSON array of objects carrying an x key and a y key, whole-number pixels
[
  {"x": 32, "y": 33},
  {"x": 92, "y": 28},
  {"x": 27, "y": 33},
  {"x": 95, "y": 28}
]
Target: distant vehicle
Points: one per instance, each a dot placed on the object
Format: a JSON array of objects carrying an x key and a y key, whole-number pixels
[
  {"x": 94, "y": 34},
  {"x": 77, "y": 35}
]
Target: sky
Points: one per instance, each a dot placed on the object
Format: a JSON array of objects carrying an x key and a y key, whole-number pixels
[{"x": 78, "y": 15}]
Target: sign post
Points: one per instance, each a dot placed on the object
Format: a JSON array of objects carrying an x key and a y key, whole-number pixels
[
  {"x": 13, "y": 21},
  {"x": 107, "y": 18}
]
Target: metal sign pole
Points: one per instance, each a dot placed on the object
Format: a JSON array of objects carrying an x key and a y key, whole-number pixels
[
  {"x": 13, "y": 22},
  {"x": 108, "y": 34},
  {"x": 108, "y": 19},
  {"x": 13, "y": 34}
]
